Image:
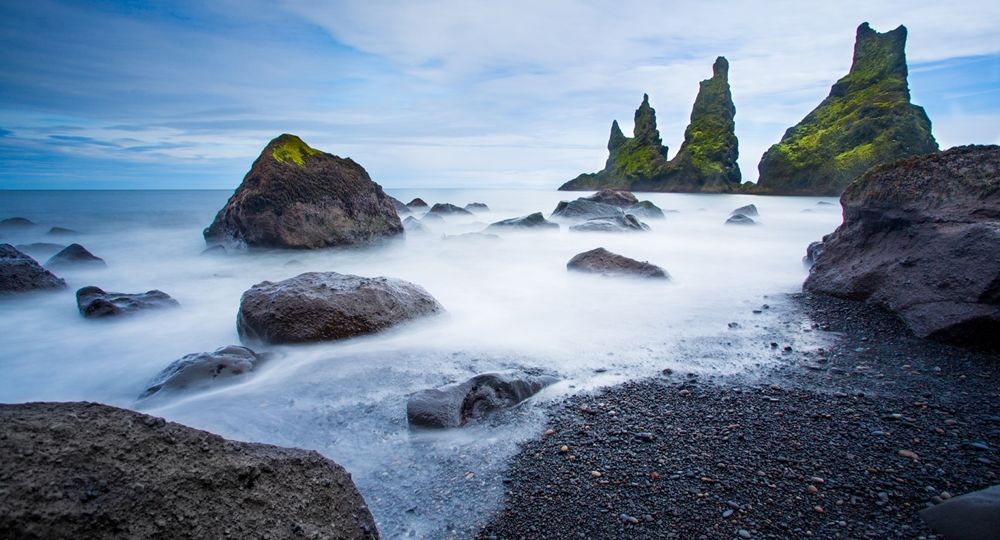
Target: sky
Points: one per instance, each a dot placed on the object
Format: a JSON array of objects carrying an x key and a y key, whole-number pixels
[{"x": 125, "y": 94}]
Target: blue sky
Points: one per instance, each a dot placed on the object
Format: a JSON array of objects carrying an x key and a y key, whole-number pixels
[{"x": 130, "y": 94}]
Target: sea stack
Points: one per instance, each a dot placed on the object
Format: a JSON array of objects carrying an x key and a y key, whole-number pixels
[
  {"x": 301, "y": 198},
  {"x": 706, "y": 161},
  {"x": 866, "y": 120}
]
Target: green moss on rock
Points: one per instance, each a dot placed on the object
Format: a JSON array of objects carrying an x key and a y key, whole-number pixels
[
  {"x": 289, "y": 148},
  {"x": 866, "y": 120}
]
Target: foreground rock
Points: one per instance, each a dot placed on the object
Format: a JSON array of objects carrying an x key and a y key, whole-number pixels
[
  {"x": 603, "y": 262},
  {"x": 866, "y": 120},
  {"x": 458, "y": 404},
  {"x": 20, "y": 273},
  {"x": 615, "y": 224},
  {"x": 920, "y": 237},
  {"x": 530, "y": 221},
  {"x": 95, "y": 303},
  {"x": 448, "y": 209},
  {"x": 325, "y": 306},
  {"x": 199, "y": 371},
  {"x": 973, "y": 516},
  {"x": 84, "y": 470},
  {"x": 75, "y": 256},
  {"x": 298, "y": 197}
]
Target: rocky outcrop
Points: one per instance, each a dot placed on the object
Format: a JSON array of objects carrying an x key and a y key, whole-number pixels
[
  {"x": 456, "y": 405},
  {"x": 326, "y": 306},
  {"x": 740, "y": 219},
  {"x": 84, "y": 470},
  {"x": 448, "y": 209},
  {"x": 477, "y": 207},
  {"x": 199, "y": 371},
  {"x": 583, "y": 209},
  {"x": 706, "y": 161},
  {"x": 645, "y": 210},
  {"x": 920, "y": 237},
  {"x": 530, "y": 221},
  {"x": 20, "y": 273},
  {"x": 298, "y": 197},
  {"x": 75, "y": 256},
  {"x": 95, "y": 303},
  {"x": 866, "y": 120},
  {"x": 603, "y": 262},
  {"x": 614, "y": 224}
]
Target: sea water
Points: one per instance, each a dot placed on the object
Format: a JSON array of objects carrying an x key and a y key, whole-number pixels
[{"x": 511, "y": 304}]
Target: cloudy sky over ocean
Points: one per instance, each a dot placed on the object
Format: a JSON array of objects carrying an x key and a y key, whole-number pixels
[{"x": 127, "y": 94}]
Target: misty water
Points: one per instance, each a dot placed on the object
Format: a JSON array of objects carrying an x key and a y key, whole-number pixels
[{"x": 510, "y": 304}]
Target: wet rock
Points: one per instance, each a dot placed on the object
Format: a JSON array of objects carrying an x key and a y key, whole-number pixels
[
  {"x": 749, "y": 210},
  {"x": 326, "y": 306},
  {"x": 458, "y": 404},
  {"x": 604, "y": 262},
  {"x": 75, "y": 256},
  {"x": 16, "y": 223},
  {"x": 301, "y": 198},
  {"x": 61, "y": 231},
  {"x": 199, "y": 371},
  {"x": 414, "y": 226},
  {"x": 583, "y": 209},
  {"x": 95, "y": 303},
  {"x": 84, "y": 470},
  {"x": 920, "y": 238},
  {"x": 645, "y": 210},
  {"x": 813, "y": 251},
  {"x": 530, "y": 221},
  {"x": 448, "y": 209},
  {"x": 21, "y": 273},
  {"x": 614, "y": 197},
  {"x": 740, "y": 219},
  {"x": 477, "y": 207},
  {"x": 973, "y": 516},
  {"x": 616, "y": 224}
]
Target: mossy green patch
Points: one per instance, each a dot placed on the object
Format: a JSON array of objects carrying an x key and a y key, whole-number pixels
[{"x": 289, "y": 148}]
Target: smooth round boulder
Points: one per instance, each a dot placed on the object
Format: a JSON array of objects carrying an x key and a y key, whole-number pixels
[
  {"x": 458, "y": 404},
  {"x": 603, "y": 262},
  {"x": 327, "y": 306},
  {"x": 199, "y": 371},
  {"x": 20, "y": 273}
]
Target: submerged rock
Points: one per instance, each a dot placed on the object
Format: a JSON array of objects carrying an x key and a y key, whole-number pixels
[
  {"x": 614, "y": 197},
  {"x": 604, "y": 262},
  {"x": 749, "y": 210},
  {"x": 60, "y": 231},
  {"x": 95, "y": 303},
  {"x": 740, "y": 219},
  {"x": 646, "y": 210},
  {"x": 920, "y": 238},
  {"x": 84, "y": 470},
  {"x": 198, "y": 371},
  {"x": 620, "y": 223},
  {"x": 813, "y": 251},
  {"x": 414, "y": 226},
  {"x": 530, "y": 221},
  {"x": 456, "y": 405},
  {"x": 973, "y": 516},
  {"x": 16, "y": 223},
  {"x": 75, "y": 256},
  {"x": 298, "y": 197},
  {"x": 448, "y": 209},
  {"x": 326, "y": 306},
  {"x": 583, "y": 209},
  {"x": 866, "y": 120},
  {"x": 41, "y": 248},
  {"x": 477, "y": 207},
  {"x": 21, "y": 273}
]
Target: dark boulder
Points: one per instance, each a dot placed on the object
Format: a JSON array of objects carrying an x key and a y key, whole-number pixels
[
  {"x": 85, "y": 470},
  {"x": 95, "y": 303},
  {"x": 198, "y": 371},
  {"x": 604, "y": 262},
  {"x": 973, "y": 516},
  {"x": 614, "y": 197},
  {"x": 477, "y": 207},
  {"x": 615, "y": 224},
  {"x": 298, "y": 197},
  {"x": 61, "y": 231},
  {"x": 21, "y": 273},
  {"x": 583, "y": 209},
  {"x": 75, "y": 256},
  {"x": 416, "y": 203},
  {"x": 458, "y": 404},
  {"x": 645, "y": 210},
  {"x": 448, "y": 209},
  {"x": 530, "y": 221},
  {"x": 740, "y": 219},
  {"x": 749, "y": 210},
  {"x": 326, "y": 306},
  {"x": 16, "y": 223},
  {"x": 414, "y": 226},
  {"x": 920, "y": 238}
]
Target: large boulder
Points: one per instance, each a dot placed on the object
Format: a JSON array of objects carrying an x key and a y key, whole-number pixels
[
  {"x": 75, "y": 256},
  {"x": 920, "y": 237},
  {"x": 614, "y": 197},
  {"x": 866, "y": 120},
  {"x": 326, "y": 306},
  {"x": 614, "y": 224},
  {"x": 530, "y": 221},
  {"x": 85, "y": 470},
  {"x": 458, "y": 404},
  {"x": 448, "y": 209},
  {"x": 198, "y": 371},
  {"x": 21, "y": 273},
  {"x": 973, "y": 516},
  {"x": 603, "y": 262},
  {"x": 95, "y": 303},
  {"x": 583, "y": 209},
  {"x": 298, "y": 197},
  {"x": 645, "y": 210}
]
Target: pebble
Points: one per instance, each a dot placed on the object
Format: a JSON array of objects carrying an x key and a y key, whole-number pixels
[
  {"x": 743, "y": 533},
  {"x": 909, "y": 454}
]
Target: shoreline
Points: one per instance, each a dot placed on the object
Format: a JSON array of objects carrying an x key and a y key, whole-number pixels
[{"x": 851, "y": 441}]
